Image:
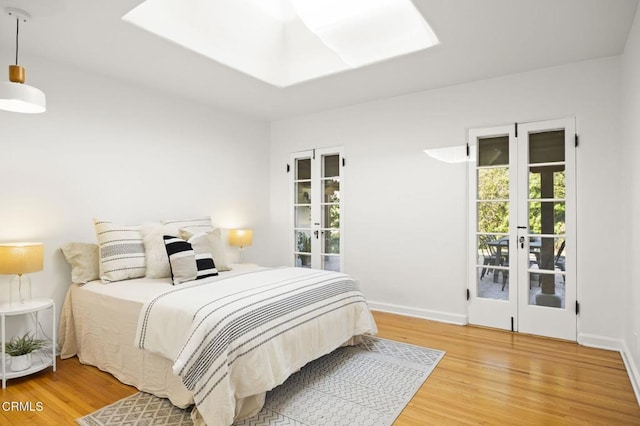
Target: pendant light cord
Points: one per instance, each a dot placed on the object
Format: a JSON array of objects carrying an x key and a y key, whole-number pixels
[{"x": 17, "y": 34}]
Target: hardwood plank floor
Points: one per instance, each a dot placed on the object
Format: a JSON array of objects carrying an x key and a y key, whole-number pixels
[{"x": 486, "y": 377}]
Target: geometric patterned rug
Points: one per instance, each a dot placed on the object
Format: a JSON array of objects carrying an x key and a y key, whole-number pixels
[{"x": 366, "y": 384}]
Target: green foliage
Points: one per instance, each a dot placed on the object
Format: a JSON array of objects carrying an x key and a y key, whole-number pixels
[
  {"x": 493, "y": 184},
  {"x": 24, "y": 345},
  {"x": 493, "y": 215}
]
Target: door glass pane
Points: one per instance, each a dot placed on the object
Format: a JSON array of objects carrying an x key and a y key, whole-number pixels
[
  {"x": 547, "y": 217},
  {"x": 303, "y": 216},
  {"x": 493, "y": 259},
  {"x": 303, "y": 169},
  {"x": 546, "y": 147},
  {"x": 331, "y": 191},
  {"x": 331, "y": 242},
  {"x": 331, "y": 216},
  {"x": 493, "y": 217},
  {"x": 553, "y": 178},
  {"x": 493, "y": 183},
  {"x": 303, "y": 260},
  {"x": 547, "y": 289},
  {"x": 331, "y": 263},
  {"x": 303, "y": 241},
  {"x": 303, "y": 192},
  {"x": 331, "y": 166},
  {"x": 493, "y": 151}
]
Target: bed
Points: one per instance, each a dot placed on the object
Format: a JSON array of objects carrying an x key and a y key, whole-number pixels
[{"x": 220, "y": 342}]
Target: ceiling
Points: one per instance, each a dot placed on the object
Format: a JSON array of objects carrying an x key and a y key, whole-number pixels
[{"x": 479, "y": 39}]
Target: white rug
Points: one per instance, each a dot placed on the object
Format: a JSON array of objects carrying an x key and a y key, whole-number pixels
[{"x": 368, "y": 384}]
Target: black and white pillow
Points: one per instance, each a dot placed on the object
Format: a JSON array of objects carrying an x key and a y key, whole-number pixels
[{"x": 189, "y": 260}]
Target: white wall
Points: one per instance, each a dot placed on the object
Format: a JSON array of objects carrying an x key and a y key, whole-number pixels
[
  {"x": 631, "y": 152},
  {"x": 118, "y": 152},
  {"x": 405, "y": 213}
]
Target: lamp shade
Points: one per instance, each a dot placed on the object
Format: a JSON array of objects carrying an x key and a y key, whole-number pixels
[
  {"x": 18, "y": 97},
  {"x": 21, "y": 258},
  {"x": 241, "y": 237}
]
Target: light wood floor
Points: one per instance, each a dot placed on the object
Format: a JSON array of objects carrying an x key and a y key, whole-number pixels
[{"x": 486, "y": 377}]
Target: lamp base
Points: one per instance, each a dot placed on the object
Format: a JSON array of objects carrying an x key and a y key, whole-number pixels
[{"x": 20, "y": 289}]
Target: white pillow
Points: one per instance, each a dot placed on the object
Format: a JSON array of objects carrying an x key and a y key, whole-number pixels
[
  {"x": 121, "y": 251},
  {"x": 155, "y": 251},
  {"x": 201, "y": 225},
  {"x": 83, "y": 258}
]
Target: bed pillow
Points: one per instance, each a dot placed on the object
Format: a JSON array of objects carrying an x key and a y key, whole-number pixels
[
  {"x": 83, "y": 258},
  {"x": 190, "y": 260},
  {"x": 121, "y": 251},
  {"x": 155, "y": 250},
  {"x": 217, "y": 246},
  {"x": 201, "y": 225}
]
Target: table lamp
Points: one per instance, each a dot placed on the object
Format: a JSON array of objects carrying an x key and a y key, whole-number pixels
[
  {"x": 241, "y": 238},
  {"x": 20, "y": 259}
]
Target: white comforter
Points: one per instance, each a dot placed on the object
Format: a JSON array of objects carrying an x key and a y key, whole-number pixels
[{"x": 241, "y": 336}]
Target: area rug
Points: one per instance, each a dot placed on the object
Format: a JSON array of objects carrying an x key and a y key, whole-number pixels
[{"x": 367, "y": 384}]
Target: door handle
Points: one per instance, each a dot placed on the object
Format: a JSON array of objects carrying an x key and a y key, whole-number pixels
[
  {"x": 316, "y": 233},
  {"x": 521, "y": 240}
]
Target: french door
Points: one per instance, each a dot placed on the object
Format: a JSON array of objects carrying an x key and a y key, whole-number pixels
[
  {"x": 316, "y": 237},
  {"x": 522, "y": 228}
]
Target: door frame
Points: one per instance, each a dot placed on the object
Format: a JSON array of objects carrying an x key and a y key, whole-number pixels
[
  {"x": 529, "y": 320},
  {"x": 517, "y": 314},
  {"x": 489, "y": 312},
  {"x": 315, "y": 155}
]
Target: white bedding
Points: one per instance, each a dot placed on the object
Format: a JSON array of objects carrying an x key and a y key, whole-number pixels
[
  {"x": 240, "y": 336},
  {"x": 99, "y": 322}
]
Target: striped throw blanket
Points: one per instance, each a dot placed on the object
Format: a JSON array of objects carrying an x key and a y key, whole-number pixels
[{"x": 237, "y": 337}]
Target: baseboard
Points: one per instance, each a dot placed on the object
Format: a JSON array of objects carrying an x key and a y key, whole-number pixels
[
  {"x": 632, "y": 370},
  {"x": 419, "y": 313},
  {"x": 600, "y": 342},
  {"x": 619, "y": 345}
]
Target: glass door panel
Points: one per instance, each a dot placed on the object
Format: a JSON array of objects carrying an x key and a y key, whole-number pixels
[
  {"x": 492, "y": 207},
  {"x": 330, "y": 208},
  {"x": 547, "y": 209},
  {"x": 302, "y": 212}
]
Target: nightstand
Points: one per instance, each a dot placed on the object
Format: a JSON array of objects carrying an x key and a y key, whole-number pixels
[{"x": 41, "y": 359}]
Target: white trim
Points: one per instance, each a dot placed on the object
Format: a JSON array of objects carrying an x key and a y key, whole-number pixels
[
  {"x": 600, "y": 342},
  {"x": 427, "y": 314},
  {"x": 632, "y": 370},
  {"x": 618, "y": 345}
]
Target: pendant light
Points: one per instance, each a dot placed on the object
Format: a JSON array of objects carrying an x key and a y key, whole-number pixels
[{"x": 16, "y": 96}]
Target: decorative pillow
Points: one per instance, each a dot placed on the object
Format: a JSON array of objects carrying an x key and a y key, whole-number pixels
[
  {"x": 189, "y": 260},
  {"x": 216, "y": 245},
  {"x": 121, "y": 251},
  {"x": 154, "y": 248},
  {"x": 83, "y": 258},
  {"x": 196, "y": 226}
]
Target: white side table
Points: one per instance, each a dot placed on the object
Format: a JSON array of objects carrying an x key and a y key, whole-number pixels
[{"x": 33, "y": 306}]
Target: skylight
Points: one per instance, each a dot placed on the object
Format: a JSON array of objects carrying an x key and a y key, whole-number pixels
[{"x": 285, "y": 42}]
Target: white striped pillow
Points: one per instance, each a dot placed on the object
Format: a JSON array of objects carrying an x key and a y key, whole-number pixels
[
  {"x": 121, "y": 251},
  {"x": 201, "y": 225}
]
